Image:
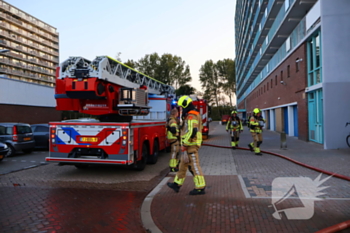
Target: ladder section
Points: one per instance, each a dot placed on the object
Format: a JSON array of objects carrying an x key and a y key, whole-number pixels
[{"x": 112, "y": 71}]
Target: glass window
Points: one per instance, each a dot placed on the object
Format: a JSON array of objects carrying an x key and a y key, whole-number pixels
[
  {"x": 311, "y": 79},
  {"x": 317, "y": 52},
  {"x": 281, "y": 75},
  {"x": 286, "y": 5},
  {"x": 288, "y": 44},
  {"x": 311, "y": 60},
  {"x": 41, "y": 129}
]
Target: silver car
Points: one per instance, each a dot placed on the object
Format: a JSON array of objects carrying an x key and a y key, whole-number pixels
[{"x": 17, "y": 136}]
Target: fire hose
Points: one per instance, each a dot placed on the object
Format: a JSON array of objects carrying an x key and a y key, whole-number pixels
[{"x": 331, "y": 229}]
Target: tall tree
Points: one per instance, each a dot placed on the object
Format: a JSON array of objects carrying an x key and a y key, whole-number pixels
[
  {"x": 185, "y": 90},
  {"x": 131, "y": 64},
  {"x": 210, "y": 81},
  {"x": 227, "y": 73},
  {"x": 150, "y": 65},
  {"x": 169, "y": 69}
]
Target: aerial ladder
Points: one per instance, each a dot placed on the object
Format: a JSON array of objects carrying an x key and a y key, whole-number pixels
[{"x": 106, "y": 88}]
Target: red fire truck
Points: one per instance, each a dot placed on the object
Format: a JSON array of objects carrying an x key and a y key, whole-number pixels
[{"x": 130, "y": 112}]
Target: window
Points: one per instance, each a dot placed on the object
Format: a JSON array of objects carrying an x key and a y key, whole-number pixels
[
  {"x": 288, "y": 44},
  {"x": 276, "y": 80},
  {"x": 286, "y": 5},
  {"x": 288, "y": 71},
  {"x": 297, "y": 64},
  {"x": 314, "y": 64},
  {"x": 271, "y": 83},
  {"x": 281, "y": 75}
]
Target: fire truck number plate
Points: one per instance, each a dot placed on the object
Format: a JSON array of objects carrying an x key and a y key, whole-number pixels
[{"x": 89, "y": 139}]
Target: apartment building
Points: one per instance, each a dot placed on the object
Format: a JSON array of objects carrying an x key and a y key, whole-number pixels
[
  {"x": 292, "y": 62},
  {"x": 29, "y": 55},
  {"x": 29, "y": 47}
]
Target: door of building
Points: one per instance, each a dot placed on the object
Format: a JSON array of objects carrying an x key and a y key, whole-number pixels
[{"x": 315, "y": 109}]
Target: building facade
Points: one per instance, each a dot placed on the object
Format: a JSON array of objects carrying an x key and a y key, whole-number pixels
[
  {"x": 32, "y": 47},
  {"x": 292, "y": 62},
  {"x": 29, "y": 55}
]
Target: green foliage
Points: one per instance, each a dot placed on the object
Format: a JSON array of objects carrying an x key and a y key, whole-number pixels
[
  {"x": 218, "y": 78},
  {"x": 131, "y": 64},
  {"x": 169, "y": 69},
  {"x": 218, "y": 111},
  {"x": 185, "y": 90},
  {"x": 210, "y": 82}
]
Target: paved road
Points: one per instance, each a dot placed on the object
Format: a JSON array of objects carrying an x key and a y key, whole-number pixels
[
  {"x": 54, "y": 198},
  {"x": 23, "y": 161}
]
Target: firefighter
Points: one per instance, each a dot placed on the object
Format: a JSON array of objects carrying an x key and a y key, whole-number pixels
[
  {"x": 256, "y": 123},
  {"x": 173, "y": 138},
  {"x": 191, "y": 140},
  {"x": 234, "y": 124}
]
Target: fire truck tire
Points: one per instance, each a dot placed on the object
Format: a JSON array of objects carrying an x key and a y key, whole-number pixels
[
  {"x": 141, "y": 164},
  {"x": 152, "y": 159}
]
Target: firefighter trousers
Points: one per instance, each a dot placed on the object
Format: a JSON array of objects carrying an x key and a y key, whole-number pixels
[
  {"x": 174, "y": 154},
  {"x": 234, "y": 137},
  {"x": 193, "y": 166},
  {"x": 257, "y": 140}
]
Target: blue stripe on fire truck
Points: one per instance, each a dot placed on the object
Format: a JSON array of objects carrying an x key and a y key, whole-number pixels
[{"x": 72, "y": 133}]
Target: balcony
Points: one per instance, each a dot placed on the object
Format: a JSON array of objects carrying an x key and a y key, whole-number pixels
[{"x": 280, "y": 29}]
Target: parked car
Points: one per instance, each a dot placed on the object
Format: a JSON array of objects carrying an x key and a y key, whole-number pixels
[
  {"x": 41, "y": 135},
  {"x": 4, "y": 149},
  {"x": 17, "y": 136},
  {"x": 224, "y": 119}
]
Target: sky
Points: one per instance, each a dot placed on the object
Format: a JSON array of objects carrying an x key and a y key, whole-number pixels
[{"x": 195, "y": 30}]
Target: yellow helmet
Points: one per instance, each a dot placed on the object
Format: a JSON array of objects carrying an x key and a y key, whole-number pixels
[
  {"x": 256, "y": 110},
  {"x": 233, "y": 112},
  {"x": 184, "y": 101}
]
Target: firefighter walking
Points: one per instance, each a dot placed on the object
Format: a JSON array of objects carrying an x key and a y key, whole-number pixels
[
  {"x": 234, "y": 125},
  {"x": 173, "y": 138},
  {"x": 256, "y": 123},
  {"x": 191, "y": 140}
]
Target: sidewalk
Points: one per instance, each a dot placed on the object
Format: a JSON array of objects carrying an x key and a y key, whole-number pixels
[{"x": 239, "y": 189}]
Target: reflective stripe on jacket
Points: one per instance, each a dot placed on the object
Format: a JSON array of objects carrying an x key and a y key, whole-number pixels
[
  {"x": 172, "y": 123},
  {"x": 238, "y": 127},
  {"x": 192, "y": 121},
  {"x": 255, "y": 125}
]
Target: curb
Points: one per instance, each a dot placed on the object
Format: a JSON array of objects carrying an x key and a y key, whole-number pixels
[{"x": 146, "y": 216}]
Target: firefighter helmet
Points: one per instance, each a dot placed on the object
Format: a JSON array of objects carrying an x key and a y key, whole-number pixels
[
  {"x": 256, "y": 111},
  {"x": 184, "y": 101}
]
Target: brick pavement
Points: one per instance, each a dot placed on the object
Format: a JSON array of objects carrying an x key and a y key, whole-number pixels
[
  {"x": 58, "y": 199},
  {"x": 238, "y": 193}
]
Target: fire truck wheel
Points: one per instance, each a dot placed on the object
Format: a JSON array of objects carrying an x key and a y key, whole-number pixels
[
  {"x": 141, "y": 164},
  {"x": 152, "y": 159}
]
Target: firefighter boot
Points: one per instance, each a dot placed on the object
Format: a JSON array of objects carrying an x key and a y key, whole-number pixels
[
  {"x": 197, "y": 192},
  {"x": 174, "y": 186},
  {"x": 233, "y": 145},
  {"x": 250, "y": 148}
]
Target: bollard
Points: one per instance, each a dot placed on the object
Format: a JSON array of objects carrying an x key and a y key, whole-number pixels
[{"x": 283, "y": 141}]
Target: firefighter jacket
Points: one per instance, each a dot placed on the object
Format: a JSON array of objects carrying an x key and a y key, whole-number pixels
[
  {"x": 256, "y": 124},
  {"x": 234, "y": 123},
  {"x": 172, "y": 129},
  {"x": 191, "y": 132}
]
